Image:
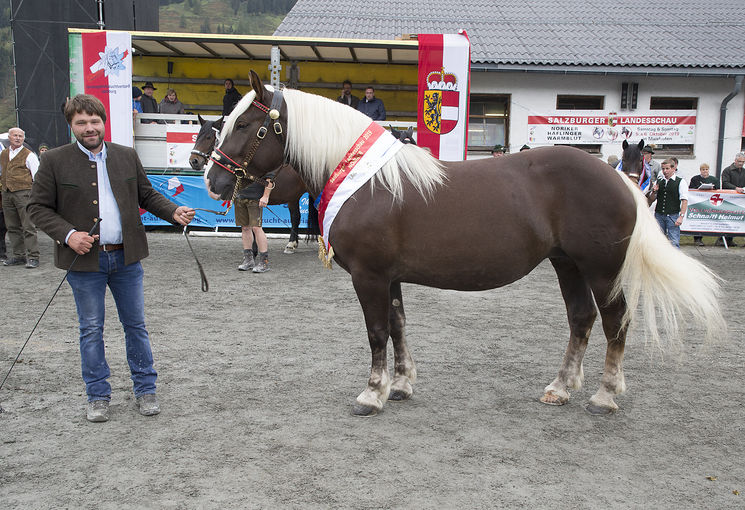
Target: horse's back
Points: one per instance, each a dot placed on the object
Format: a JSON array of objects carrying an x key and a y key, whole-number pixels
[{"x": 493, "y": 220}]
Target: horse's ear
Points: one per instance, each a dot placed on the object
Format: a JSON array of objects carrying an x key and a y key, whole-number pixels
[
  {"x": 410, "y": 132},
  {"x": 201, "y": 120},
  {"x": 257, "y": 86},
  {"x": 625, "y": 145},
  {"x": 218, "y": 123},
  {"x": 641, "y": 144}
]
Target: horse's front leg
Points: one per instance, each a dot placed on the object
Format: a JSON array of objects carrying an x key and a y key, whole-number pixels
[
  {"x": 404, "y": 368},
  {"x": 373, "y": 294}
]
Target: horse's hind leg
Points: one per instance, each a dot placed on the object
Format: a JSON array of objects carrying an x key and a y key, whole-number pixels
[
  {"x": 613, "y": 382},
  {"x": 581, "y": 313},
  {"x": 405, "y": 369},
  {"x": 374, "y": 296},
  {"x": 294, "y": 209}
]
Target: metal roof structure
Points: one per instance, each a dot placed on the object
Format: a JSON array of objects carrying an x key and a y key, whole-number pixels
[
  {"x": 251, "y": 47},
  {"x": 662, "y": 37}
]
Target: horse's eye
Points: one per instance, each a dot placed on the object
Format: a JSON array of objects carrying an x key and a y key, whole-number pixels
[{"x": 241, "y": 125}]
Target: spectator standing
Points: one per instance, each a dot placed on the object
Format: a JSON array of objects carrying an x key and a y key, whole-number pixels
[
  {"x": 346, "y": 96},
  {"x": 171, "y": 104},
  {"x": 696, "y": 182},
  {"x": 733, "y": 177},
  {"x": 43, "y": 147},
  {"x": 231, "y": 97},
  {"x": 75, "y": 186},
  {"x": 149, "y": 104},
  {"x": 371, "y": 105},
  {"x": 18, "y": 165},
  {"x": 3, "y": 231},
  {"x": 672, "y": 201},
  {"x": 249, "y": 207},
  {"x": 654, "y": 166},
  {"x": 136, "y": 101}
]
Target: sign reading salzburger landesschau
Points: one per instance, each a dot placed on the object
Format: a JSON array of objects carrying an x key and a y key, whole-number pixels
[
  {"x": 592, "y": 127},
  {"x": 719, "y": 211}
]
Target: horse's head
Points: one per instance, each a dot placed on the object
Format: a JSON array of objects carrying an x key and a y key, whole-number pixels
[
  {"x": 404, "y": 136},
  {"x": 632, "y": 160},
  {"x": 205, "y": 142},
  {"x": 251, "y": 142}
]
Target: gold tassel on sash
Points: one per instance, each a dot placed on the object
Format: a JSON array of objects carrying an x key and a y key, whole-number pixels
[{"x": 323, "y": 255}]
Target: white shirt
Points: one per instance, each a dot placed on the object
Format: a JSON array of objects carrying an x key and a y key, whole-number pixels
[
  {"x": 110, "y": 229},
  {"x": 32, "y": 162}
]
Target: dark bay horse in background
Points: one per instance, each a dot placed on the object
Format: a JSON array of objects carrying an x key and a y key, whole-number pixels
[
  {"x": 632, "y": 164},
  {"x": 288, "y": 189},
  {"x": 561, "y": 203}
]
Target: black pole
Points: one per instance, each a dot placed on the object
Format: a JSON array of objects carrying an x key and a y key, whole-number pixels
[{"x": 95, "y": 226}]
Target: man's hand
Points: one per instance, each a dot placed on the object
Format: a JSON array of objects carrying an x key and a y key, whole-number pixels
[
  {"x": 81, "y": 243},
  {"x": 183, "y": 215},
  {"x": 263, "y": 201}
]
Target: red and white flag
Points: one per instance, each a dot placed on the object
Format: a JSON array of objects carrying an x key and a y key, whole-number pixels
[
  {"x": 444, "y": 78},
  {"x": 106, "y": 59}
]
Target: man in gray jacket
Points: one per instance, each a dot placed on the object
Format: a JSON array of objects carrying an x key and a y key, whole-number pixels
[{"x": 77, "y": 185}]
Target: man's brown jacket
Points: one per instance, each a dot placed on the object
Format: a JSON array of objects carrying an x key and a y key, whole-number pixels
[{"x": 65, "y": 196}]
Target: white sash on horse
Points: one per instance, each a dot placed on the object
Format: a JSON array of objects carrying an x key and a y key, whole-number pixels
[{"x": 373, "y": 149}]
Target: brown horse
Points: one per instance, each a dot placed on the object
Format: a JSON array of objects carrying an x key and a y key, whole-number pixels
[
  {"x": 501, "y": 217},
  {"x": 632, "y": 164},
  {"x": 288, "y": 187}
]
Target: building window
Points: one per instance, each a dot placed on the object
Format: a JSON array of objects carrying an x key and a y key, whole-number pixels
[
  {"x": 488, "y": 121},
  {"x": 673, "y": 103},
  {"x": 567, "y": 102}
]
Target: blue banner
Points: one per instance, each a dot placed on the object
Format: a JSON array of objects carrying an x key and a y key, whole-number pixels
[{"x": 189, "y": 190}]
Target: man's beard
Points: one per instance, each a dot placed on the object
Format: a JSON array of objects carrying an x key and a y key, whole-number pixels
[{"x": 89, "y": 146}]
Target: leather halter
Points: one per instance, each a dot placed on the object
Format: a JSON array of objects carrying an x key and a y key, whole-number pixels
[
  {"x": 204, "y": 155},
  {"x": 241, "y": 170}
]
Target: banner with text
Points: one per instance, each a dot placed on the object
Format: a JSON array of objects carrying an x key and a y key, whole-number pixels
[
  {"x": 180, "y": 139},
  {"x": 189, "y": 190},
  {"x": 101, "y": 65},
  {"x": 717, "y": 211},
  {"x": 588, "y": 127}
]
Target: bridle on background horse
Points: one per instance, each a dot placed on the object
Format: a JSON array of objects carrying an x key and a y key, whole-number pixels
[{"x": 241, "y": 170}]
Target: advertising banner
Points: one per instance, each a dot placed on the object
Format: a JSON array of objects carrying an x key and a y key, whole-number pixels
[
  {"x": 443, "y": 84},
  {"x": 101, "y": 65},
  {"x": 189, "y": 190},
  {"x": 717, "y": 211},
  {"x": 180, "y": 140},
  {"x": 587, "y": 127}
]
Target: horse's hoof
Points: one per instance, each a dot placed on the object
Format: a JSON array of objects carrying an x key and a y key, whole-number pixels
[
  {"x": 598, "y": 410},
  {"x": 361, "y": 410},
  {"x": 399, "y": 395},
  {"x": 289, "y": 251},
  {"x": 553, "y": 399}
]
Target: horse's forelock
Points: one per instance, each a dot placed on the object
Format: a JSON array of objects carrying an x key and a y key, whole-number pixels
[{"x": 229, "y": 123}]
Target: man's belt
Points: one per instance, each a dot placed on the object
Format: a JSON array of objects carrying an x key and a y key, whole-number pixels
[{"x": 111, "y": 247}]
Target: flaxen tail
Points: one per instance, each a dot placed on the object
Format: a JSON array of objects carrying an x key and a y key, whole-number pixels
[{"x": 671, "y": 286}]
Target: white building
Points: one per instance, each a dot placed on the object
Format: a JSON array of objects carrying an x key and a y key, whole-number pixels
[{"x": 588, "y": 74}]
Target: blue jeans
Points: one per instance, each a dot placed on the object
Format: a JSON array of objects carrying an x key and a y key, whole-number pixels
[
  {"x": 89, "y": 290},
  {"x": 668, "y": 227}
]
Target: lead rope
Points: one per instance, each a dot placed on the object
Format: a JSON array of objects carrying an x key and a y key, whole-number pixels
[{"x": 202, "y": 275}]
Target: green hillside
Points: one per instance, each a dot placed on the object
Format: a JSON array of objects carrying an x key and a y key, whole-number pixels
[{"x": 258, "y": 17}]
